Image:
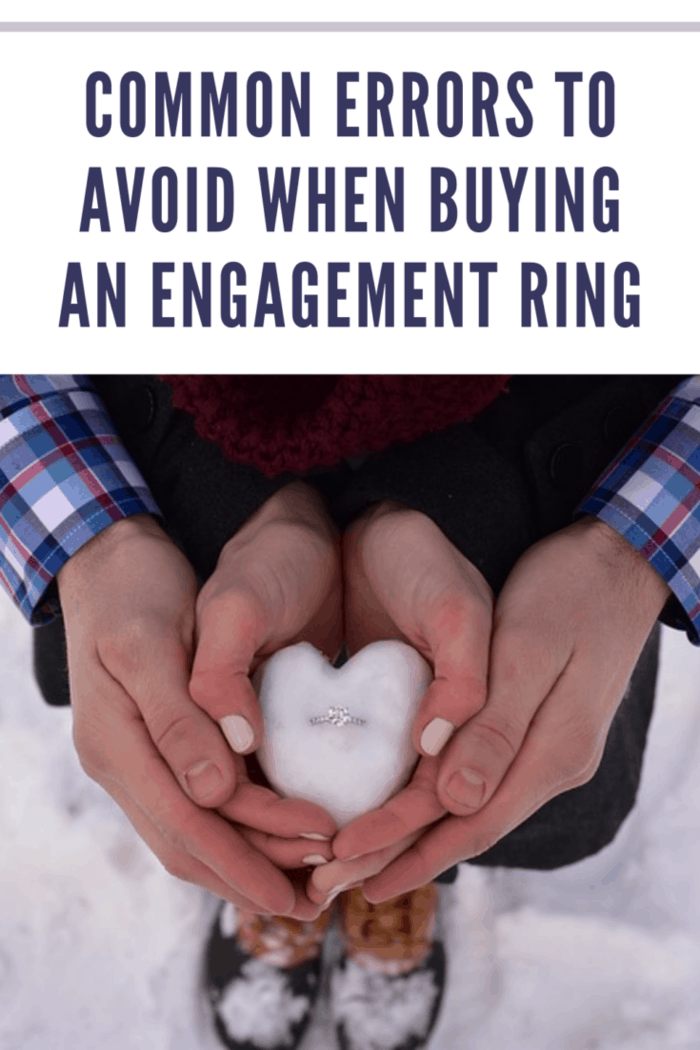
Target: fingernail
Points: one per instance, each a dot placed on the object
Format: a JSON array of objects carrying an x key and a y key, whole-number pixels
[
  {"x": 203, "y": 779},
  {"x": 435, "y": 735},
  {"x": 237, "y": 731},
  {"x": 332, "y": 894},
  {"x": 314, "y": 858},
  {"x": 466, "y": 787},
  {"x": 315, "y": 836}
]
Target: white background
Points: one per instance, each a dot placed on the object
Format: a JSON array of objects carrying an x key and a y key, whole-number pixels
[{"x": 48, "y": 151}]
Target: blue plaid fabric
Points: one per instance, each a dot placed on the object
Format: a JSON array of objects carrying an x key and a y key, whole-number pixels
[
  {"x": 64, "y": 476},
  {"x": 651, "y": 496}
]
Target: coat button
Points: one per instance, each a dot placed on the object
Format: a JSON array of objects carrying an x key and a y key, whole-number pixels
[
  {"x": 142, "y": 409},
  {"x": 565, "y": 466}
]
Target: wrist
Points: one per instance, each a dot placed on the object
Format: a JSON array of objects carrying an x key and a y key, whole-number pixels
[
  {"x": 623, "y": 558},
  {"x": 120, "y": 533}
]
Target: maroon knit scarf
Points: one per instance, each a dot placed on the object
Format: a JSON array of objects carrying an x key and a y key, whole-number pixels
[{"x": 295, "y": 423}]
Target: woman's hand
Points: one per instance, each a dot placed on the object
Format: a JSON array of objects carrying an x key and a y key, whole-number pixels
[
  {"x": 277, "y": 582},
  {"x": 404, "y": 579}
]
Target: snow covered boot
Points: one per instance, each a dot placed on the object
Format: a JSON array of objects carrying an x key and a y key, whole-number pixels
[
  {"x": 262, "y": 975},
  {"x": 387, "y": 989}
]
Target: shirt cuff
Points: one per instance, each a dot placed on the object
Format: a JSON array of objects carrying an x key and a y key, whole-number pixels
[
  {"x": 64, "y": 477},
  {"x": 651, "y": 496}
]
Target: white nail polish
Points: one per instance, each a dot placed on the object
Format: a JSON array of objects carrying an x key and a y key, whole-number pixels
[
  {"x": 237, "y": 731},
  {"x": 314, "y": 859},
  {"x": 315, "y": 836},
  {"x": 435, "y": 735}
]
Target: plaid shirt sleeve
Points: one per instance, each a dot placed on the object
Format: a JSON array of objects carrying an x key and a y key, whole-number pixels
[
  {"x": 651, "y": 496},
  {"x": 64, "y": 477}
]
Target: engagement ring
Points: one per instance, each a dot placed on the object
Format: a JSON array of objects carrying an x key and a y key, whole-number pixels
[{"x": 337, "y": 716}]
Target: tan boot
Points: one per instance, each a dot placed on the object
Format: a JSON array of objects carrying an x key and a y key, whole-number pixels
[{"x": 386, "y": 991}]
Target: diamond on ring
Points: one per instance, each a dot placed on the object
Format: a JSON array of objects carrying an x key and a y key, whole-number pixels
[{"x": 337, "y": 716}]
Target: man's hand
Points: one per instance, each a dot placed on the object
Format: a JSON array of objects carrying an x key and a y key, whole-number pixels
[
  {"x": 404, "y": 579},
  {"x": 569, "y": 626},
  {"x": 128, "y": 598}
]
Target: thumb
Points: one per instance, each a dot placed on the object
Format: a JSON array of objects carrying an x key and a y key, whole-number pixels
[
  {"x": 461, "y": 638},
  {"x": 183, "y": 734},
  {"x": 479, "y": 757},
  {"x": 229, "y": 634}
]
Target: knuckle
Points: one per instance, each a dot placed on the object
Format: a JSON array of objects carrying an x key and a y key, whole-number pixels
[
  {"x": 581, "y": 778},
  {"x": 474, "y": 693},
  {"x": 176, "y": 866},
  {"x": 462, "y": 697},
  {"x": 586, "y": 770},
  {"x": 204, "y": 685},
  {"x": 498, "y": 736},
  {"x": 91, "y": 768},
  {"x": 197, "y": 687},
  {"x": 586, "y": 738},
  {"x": 577, "y": 766},
  {"x": 169, "y": 732},
  {"x": 480, "y": 843},
  {"x": 91, "y": 754}
]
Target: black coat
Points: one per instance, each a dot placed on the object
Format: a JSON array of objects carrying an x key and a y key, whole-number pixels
[{"x": 494, "y": 487}]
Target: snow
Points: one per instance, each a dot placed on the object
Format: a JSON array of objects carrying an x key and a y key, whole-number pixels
[
  {"x": 100, "y": 947},
  {"x": 261, "y": 1007},
  {"x": 378, "y": 1012},
  {"x": 347, "y": 767}
]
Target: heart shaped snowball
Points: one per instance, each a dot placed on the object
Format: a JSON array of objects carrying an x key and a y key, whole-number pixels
[{"x": 340, "y": 737}]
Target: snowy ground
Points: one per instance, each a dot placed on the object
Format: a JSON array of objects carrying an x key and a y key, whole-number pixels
[{"x": 99, "y": 948}]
